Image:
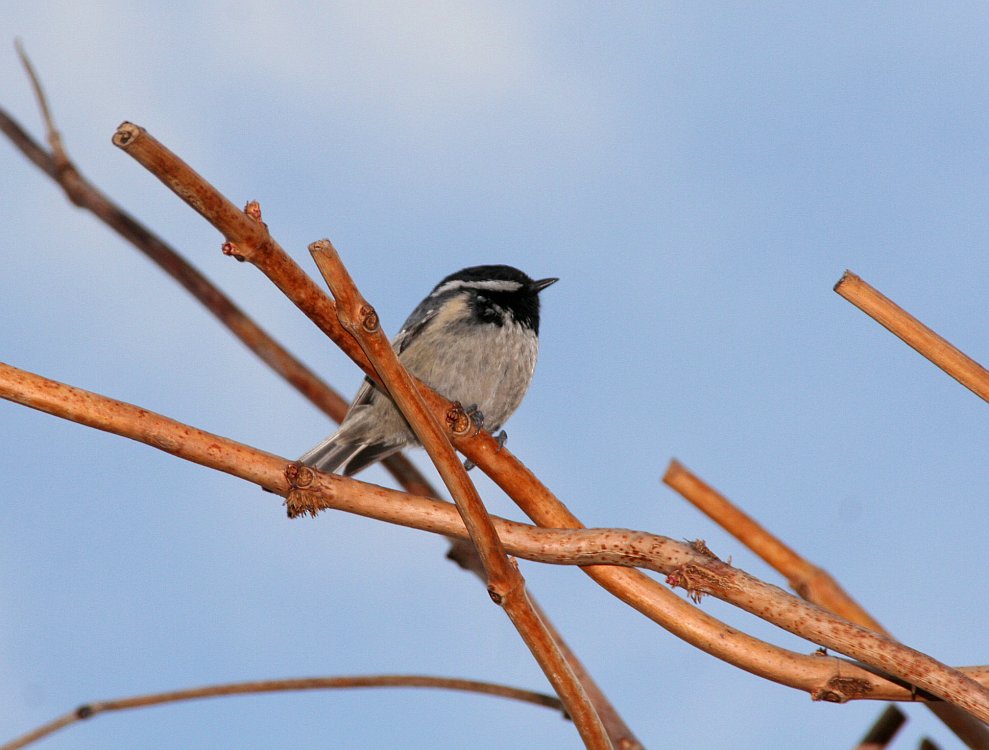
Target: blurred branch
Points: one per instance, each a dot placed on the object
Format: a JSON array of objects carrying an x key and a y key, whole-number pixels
[
  {"x": 898, "y": 321},
  {"x": 89, "y": 710},
  {"x": 506, "y": 585},
  {"x": 84, "y": 194},
  {"x": 308, "y": 491},
  {"x": 808, "y": 580},
  {"x": 883, "y": 731}
]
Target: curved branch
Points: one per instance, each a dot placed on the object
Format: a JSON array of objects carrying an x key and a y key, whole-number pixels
[
  {"x": 89, "y": 710},
  {"x": 309, "y": 491}
]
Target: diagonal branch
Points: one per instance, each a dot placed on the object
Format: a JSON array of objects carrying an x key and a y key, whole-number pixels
[
  {"x": 82, "y": 193},
  {"x": 898, "y": 321},
  {"x": 810, "y": 581},
  {"x": 505, "y": 583},
  {"x": 57, "y": 165},
  {"x": 89, "y": 710},
  {"x": 249, "y": 240},
  {"x": 880, "y": 734}
]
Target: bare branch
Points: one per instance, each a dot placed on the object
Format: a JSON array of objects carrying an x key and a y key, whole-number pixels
[
  {"x": 505, "y": 583},
  {"x": 825, "y": 678},
  {"x": 249, "y": 240},
  {"x": 89, "y": 710},
  {"x": 898, "y": 321},
  {"x": 811, "y": 582},
  {"x": 84, "y": 194},
  {"x": 58, "y": 166},
  {"x": 884, "y": 730},
  {"x": 54, "y": 139}
]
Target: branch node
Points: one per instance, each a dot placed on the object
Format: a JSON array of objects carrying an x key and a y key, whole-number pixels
[
  {"x": 299, "y": 501},
  {"x": 369, "y": 319},
  {"x": 229, "y": 248},
  {"x": 457, "y": 419},
  {"x": 84, "y": 711},
  {"x": 688, "y": 578},
  {"x": 700, "y": 547},
  {"x": 253, "y": 210},
  {"x": 299, "y": 475},
  {"x": 841, "y": 690}
]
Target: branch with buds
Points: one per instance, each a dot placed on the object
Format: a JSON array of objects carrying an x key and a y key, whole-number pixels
[{"x": 882, "y": 668}]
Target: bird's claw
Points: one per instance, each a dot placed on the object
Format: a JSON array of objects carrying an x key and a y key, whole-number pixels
[{"x": 476, "y": 416}]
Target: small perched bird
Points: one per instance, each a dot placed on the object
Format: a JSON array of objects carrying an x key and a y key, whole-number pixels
[{"x": 473, "y": 339}]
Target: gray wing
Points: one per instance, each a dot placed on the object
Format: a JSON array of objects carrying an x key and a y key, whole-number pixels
[
  {"x": 340, "y": 450},
  {"x": 424, "y": 312}
]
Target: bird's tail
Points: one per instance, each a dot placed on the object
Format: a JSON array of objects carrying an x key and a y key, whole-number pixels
[{"x": 336, "y": 455}]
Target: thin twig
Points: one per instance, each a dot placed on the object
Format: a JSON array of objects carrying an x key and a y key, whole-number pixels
[
  {"x": 249, "y": 240},
  {"x": 898, "y": 321},
  {"x": 54, "y": 138},
  {"x": 89, "y": 710},
  {"x": 505, "y": 583},
  {"x": 84, "y": 194},
  {"x": 810, "y": 581},
  {"x": 310, "y": 491}
]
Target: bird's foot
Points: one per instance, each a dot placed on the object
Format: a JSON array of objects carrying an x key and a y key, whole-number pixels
[
  {"x": 476, "y": 416},
  {"x": 501, "y": 438}
]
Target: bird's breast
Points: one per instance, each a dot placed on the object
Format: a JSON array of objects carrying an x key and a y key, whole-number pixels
[{"x": 487, "y": 365}]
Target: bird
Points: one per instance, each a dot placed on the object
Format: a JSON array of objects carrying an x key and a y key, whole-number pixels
[{"x": 473, "y": 339}]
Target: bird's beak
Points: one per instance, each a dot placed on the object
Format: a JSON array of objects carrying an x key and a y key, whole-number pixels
[{"x": 538, "y": 286}]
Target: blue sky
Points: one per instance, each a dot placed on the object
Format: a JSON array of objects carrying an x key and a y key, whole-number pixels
[{"x": 698, "y": 175}]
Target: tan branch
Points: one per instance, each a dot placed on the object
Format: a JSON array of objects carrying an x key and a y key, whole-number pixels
[
  {"x": 810, "y": 581},
  {"x": 89, "y": 710},
  {"x": 898, "y": 321},
  {"x": 248, "y": 239},
  {"x": 82, "y": 193},
  {"x": 251, "y": 242},
  {"x": 57, "y": 165},
  {"x": 825, "y": 678},
  {"x": 505, "y": 583}
]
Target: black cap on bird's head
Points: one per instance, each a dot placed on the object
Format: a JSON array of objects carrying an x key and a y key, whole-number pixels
[{"x": 497, "y": 291}]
